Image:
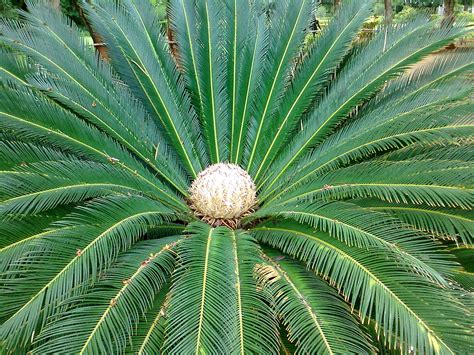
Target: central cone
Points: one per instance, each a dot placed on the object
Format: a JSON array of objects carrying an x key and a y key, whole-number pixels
[{"x": 222, "y": 192}]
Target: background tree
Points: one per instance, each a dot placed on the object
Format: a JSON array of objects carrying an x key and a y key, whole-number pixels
[
  {"x": 448, "y": 8},
  {"x": 55, "y": 4},
  {"x": 388, "y": 12}
]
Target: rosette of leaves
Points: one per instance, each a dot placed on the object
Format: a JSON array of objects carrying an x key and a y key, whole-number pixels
[{"x": 361, "y": 160}]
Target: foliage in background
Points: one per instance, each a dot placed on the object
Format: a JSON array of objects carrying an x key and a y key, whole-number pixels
[
  {"x": 8, "y": 8},
  {"x": 69, "y": 8},
  {"x": 403, "y": 9}
]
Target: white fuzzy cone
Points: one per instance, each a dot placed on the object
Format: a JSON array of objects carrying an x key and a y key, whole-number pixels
[{"x": 223, "y": 191}]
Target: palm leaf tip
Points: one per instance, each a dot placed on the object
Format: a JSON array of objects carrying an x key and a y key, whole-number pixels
[{"x": 339, "y": 220}]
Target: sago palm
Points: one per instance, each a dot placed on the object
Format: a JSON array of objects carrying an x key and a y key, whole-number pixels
[{"x": 235, "y": 189}]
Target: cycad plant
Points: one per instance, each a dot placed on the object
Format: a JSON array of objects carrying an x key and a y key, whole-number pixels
[{"x": 234, "y": 191}]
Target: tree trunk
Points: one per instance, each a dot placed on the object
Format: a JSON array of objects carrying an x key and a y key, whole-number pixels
[
  {"x": 98, "y": 43},
  {"x": 448, "y": 14},
  {"x": 448, "y": 8},
  {"x": 388, "y": 12},
  {"x": 172, "y": 43},
  {"x": 56, "y": 4},
  {"x": 466, "y": 5},
  {"x": 19, "y": 4}
]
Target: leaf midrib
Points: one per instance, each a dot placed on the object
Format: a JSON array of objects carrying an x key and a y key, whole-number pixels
[
  {"x": 203, "y": 293},
  {"x": 376, "y": 184},
  {"x": 238, "y": 292}
]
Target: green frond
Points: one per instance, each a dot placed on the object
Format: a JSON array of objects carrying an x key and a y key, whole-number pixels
[
  {"x": 287, "y": 28},
  {"x": 459, "y": 149},
  {"x": 396, "y": 182},
  {"x": 465, "y": 279},
  {"x": 39, "y": 120},
  {"x": 103, "y": 319},
  {"x": 43, "y": 186},
  {"x": 421, "y": 79},
  {"x": 35, "y": 193},
  {"x": 388, "y": 55},
  {"x": 19, "y": 235},
  {"x": 213, "y": 305},
  {"x": 204, "y": 67},
  {"x": 429, "y": 118},
  {"x": 104, "y": 228},
  {"x": 441, "y": 223},
  {"x": 14, "y": 67},
  {"x": 201, "y": 316},
  {"x": 317, "y": 319},
  {"x": 48, "y": 123},
  {"x": 323, "y": 59},
  {"x": 150, "y": 331},
  {"x": 363, "y": 228},
  {"x": 183, "y": 24},
  {"x": 139, "y": 54},
  {"x": 409, "y": 312},
  {"x": 256, "y": 321},
  {"x": 17, "y": 153},
  {"x": 76, "y": 79},
  {"x": 245, "y": 43},
  {"x": 35, "y": 265},
  {"x": 12, "y": 231}
]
